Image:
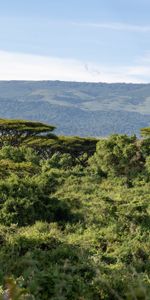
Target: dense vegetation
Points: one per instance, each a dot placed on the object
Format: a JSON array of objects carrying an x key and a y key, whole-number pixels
[
  {"x": 74, "y": 215},
  {"x": 76, "y": 108}
]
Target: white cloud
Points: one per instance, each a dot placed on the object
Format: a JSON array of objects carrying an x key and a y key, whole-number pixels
[
  {"x": 139, "y": 70},
  {"x": 17, "y": 66},
  {"x": 115, "y": 26}
]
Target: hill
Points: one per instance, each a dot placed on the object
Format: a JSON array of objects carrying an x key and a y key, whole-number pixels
[{"x": 84, "y": 109}]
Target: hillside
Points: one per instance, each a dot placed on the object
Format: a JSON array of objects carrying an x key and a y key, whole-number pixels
[{"x": 84, "y": 109}]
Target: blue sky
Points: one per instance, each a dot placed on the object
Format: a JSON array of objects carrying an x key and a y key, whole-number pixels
[{"x": 92, "y": 40}]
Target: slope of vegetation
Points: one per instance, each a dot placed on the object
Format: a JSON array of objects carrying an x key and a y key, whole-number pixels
[
  {"x": 77, "y": 108},
  {"x": 74, "y": 215}
]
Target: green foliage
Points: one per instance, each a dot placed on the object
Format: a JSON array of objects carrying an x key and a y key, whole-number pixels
[
  {"x": 145, "y": 132},
  {"x": 19, "y": 154},
  {"x": 118, "y": 155},
  {"x": 16, "y": 132},
  {"x": 80, "y": 149},
  {"x": 13, "y": 292},
  {"x": 38, "y": 137},
  {"x": 75, "y": 229},
  {"x": 145, "y": 147}
]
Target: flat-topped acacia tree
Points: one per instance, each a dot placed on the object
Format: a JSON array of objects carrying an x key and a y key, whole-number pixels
[
  {"x": 15, "y": 132},
  {"x": 40, "y": 137},
  {"x": 79, "y": 148}
]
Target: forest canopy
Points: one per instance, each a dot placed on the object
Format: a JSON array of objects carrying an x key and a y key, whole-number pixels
[{"x": 74, "y": 215}]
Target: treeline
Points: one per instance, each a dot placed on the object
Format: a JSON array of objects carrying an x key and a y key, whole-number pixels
[{"x": 74, "y": 215}]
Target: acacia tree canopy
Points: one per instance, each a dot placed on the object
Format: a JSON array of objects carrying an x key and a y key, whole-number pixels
[
  {"x": 40, "y": 137},
  {"x": 17, "y": 131}
]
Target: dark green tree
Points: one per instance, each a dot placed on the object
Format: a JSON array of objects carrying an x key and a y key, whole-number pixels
[
  {"x": 118, "y": 155},
  {"x": 16, "y": 132}
]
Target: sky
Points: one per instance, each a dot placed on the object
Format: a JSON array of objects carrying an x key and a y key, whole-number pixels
[{"x": 75, "y": 40}]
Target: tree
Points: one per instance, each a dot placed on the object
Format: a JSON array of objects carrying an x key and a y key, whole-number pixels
[
  {"x": 145, "y": 132},
  {"x": 15, "y": 132},
  {"x": 39, "y": 136},
  {"x": 118, "y": 155}
]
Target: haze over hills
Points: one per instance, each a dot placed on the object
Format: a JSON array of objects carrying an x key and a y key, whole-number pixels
[{"x": 84, "y": 109}]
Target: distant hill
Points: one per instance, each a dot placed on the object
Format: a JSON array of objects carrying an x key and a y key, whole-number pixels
[{"x": 84, "y": 109}]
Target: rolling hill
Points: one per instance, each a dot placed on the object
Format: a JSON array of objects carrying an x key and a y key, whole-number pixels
[{"x": 84, "y": 109}]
